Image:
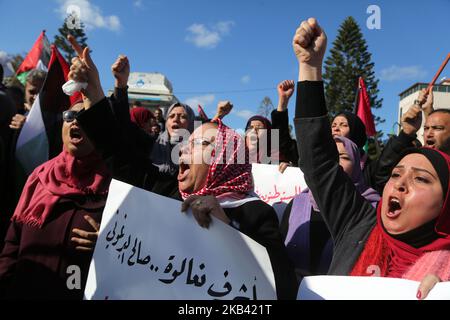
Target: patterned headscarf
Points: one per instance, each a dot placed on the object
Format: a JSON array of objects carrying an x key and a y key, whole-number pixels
[{"x": 230, "y": 174}]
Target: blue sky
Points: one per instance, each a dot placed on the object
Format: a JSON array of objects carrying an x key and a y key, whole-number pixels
[{"x": 232, "y": 50}]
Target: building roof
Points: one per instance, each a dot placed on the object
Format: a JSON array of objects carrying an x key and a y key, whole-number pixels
[{"x": 442, "y": 87}]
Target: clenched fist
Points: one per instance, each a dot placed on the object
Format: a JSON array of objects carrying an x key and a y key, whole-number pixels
[
  {"x": 310, "y": 43},
  {"x": 223, "y": 108},
  {"x": 121, "y": 71},
  {"x": 285, "y": 90},
  {"x": 412, "y": 120}
]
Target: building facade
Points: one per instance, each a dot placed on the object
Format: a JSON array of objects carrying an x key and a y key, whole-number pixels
[{"x": 441, "y": 94}]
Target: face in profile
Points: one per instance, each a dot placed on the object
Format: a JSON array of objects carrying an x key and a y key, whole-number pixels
[
  {"x": 196, "y": 157},
  {"x": 340, "y": 127},
  {"x": 74, "y": 139},
  {"x": 413, "y": 195}
]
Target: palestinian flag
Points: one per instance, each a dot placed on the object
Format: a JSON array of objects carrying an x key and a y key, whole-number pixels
[
  {"x": 37, "y": 58},
  {"x": 40, "y": 138},
  {"x": 202, "y": 113},
  {"x": 364, "y": 112}
]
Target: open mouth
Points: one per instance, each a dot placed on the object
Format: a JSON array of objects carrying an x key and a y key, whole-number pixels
[
  {"x": 395, "y": 208},
  {"x": 183, "y": 171},
  {"x": 76, "y": 137},
  {"x": 430, "y": 143}
]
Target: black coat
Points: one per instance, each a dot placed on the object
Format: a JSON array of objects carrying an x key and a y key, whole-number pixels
[
  {"x": 348, "y": 216},
  {"x": 128, "y": 145},
  {"x": 124, "y": 146}
]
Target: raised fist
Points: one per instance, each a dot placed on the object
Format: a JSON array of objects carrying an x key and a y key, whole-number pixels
[
  {"x": 310, "y": 43},
  {"x": 412, "y": 120},
  {"x": 223, "y": 108},
  {"x": 121, "y": 71},
  {"x": 286, "y": 89}
]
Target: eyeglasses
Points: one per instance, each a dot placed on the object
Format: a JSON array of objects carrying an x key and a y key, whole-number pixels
[
  {"x": 201, "y": 142},
  {"x": 70, "y": 115}
]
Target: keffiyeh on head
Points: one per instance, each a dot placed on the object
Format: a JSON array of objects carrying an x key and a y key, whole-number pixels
[{"x": 229, "y": 174}]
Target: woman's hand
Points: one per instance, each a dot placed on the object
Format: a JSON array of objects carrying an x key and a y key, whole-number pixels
[
  {"x": 83, "y": 69},
  {"x": 283, "y": 166},
  {"x": 428, "y": 283},
  {"x": 202, "y": 209},
  {"x": 121, "y": 71},
  {"x": 285, "y": 90},
  {"x": 86, "y": 240},
  {"x": 17, "y": 121},
  {"x": 310, "y": 43}
]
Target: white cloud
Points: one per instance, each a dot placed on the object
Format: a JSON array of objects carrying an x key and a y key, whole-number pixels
[
  {"x": 395, "y": 73},
  {"x": 89, "y": 14},
  {"x": 245, "y": 79},
  {"x": 137, "y": 3},
  {"x": 244, "y": 113},
  {"x": 224, "y": 27},
  {"x": 200, "y": 100},
  {"x": 204, "y": 37}
]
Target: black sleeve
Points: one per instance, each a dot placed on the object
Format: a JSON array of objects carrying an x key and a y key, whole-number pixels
[
  {"x": 381, "y": 169},
  {"x": 288, "y": 146},
  {"x": 120, "y": 106},
  {"x": 9, "y": 255},
  {"x": 114, "y": 137},
  {"x": 342, "y": 207},
  {"x": 259, "y": 221}
]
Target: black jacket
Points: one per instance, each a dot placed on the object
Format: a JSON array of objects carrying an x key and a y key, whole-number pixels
[
  {"x": 124, "y": 146},
  {"x": 349, "y": 217},
  {"x": 287, "y": 145}
]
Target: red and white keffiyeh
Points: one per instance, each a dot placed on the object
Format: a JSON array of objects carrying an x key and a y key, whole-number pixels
[{"x": 230, "y": 174}]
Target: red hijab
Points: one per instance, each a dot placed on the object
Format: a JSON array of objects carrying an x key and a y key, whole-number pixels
[
  {"x": 141, "y": 116},
  {"x": 394, "y": 257},
  {"x": 63, "y": 176},
  {"x": 230, "y": 174}
]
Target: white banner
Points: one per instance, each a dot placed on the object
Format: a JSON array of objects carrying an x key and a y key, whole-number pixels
[
  {"x": 275, "y": 188},
  {"x": 366, "y": 288},
  {"x": 148, "y": 249}
]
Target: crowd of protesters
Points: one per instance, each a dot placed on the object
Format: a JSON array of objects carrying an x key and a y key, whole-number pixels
[{"x": 391, "y": 211}]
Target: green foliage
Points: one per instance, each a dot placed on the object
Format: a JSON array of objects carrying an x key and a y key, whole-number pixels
[
  {"x": 61, "y": 39},
  {"x": 348, "y": 60}
]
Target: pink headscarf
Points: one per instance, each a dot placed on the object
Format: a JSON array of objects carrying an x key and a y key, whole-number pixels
[{"x": 62, "y": 176}]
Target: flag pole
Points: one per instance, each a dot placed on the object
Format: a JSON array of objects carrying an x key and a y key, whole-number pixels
[
  {"x": 355, "y": 105},
  {"x": 436, "y": 76}
]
